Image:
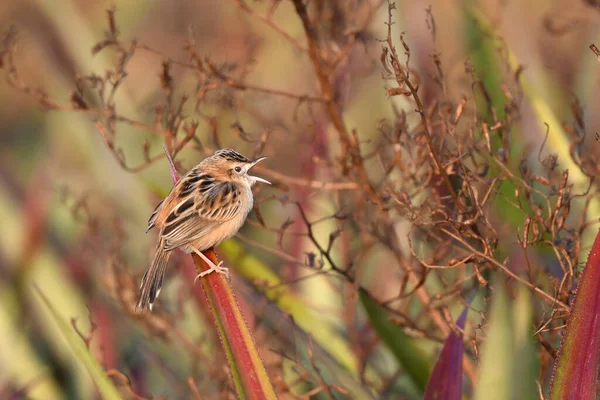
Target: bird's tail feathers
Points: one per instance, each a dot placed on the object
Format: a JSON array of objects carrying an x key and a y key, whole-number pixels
[{"x": 152, "y": 280}]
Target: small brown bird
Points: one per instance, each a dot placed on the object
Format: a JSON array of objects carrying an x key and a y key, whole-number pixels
[{"x": 207, "y": 206}]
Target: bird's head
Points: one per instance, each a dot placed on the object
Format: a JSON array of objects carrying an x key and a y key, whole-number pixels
[{"x": 234, "y": 166}]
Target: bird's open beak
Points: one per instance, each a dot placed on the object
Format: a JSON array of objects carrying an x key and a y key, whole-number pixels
[{"x": 256, "y": 178}]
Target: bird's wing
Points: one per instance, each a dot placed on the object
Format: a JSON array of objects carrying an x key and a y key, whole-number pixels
[
  {"x": 202, "y": 204},
  {"x": 155, "y": 213}
]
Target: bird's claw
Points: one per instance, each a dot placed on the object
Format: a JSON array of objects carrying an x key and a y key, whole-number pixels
[{"x": 214, "y": 268}]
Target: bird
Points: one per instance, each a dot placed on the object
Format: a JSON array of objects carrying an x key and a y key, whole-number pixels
[{"x": 207, "y": 206}]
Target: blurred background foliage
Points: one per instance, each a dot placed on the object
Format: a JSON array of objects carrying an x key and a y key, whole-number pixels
[{"x": 356, "y": 262}]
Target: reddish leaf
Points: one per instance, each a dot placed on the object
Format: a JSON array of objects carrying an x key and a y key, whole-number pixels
[
  {"x": 576, "y": 369},
  {"x": 445, "y": 382}
]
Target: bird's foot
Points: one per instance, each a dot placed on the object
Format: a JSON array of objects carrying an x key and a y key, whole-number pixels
[{"x": 214, "y": 268}]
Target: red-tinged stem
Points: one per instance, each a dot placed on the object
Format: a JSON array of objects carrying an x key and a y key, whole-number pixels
[
  {"x": 172, "y": 169},
  {"x": 106, "y": 331},
  {"x": 35, "y": 207},
  {"x": 249, "y": 374},
  {"x": 576, "y": 369},
  {"x": 245, "y": 362}
]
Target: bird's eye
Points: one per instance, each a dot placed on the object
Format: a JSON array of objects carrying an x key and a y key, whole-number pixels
[{"x": 238, "y": 169}]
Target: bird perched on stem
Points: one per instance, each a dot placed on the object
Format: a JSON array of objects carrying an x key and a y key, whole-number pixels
[{"x": 207, "y": 206}]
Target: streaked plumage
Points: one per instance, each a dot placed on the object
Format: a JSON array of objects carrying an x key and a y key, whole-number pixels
[{"x": 208, "y": 205}]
